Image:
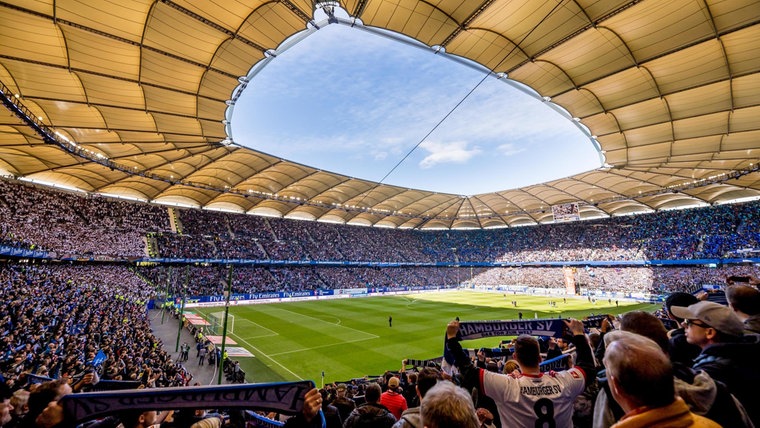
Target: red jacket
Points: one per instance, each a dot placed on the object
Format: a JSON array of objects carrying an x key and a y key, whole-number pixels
[{"x": 394, "y": 401}]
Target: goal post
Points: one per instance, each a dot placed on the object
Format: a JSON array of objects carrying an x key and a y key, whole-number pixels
[{"x": 216, "y": 323}]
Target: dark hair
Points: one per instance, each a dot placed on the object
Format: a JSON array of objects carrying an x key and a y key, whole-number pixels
[
  {"x": 372, "y": 393},
  {"x": 5, "y": 391},
  {"x": 528, "y": 351},
  {"x": 426, "y": 379},
  {"x": 679, "y": 299},
  {"x": 647, "y": 325},
  {"x": 744, "y": 299},
  {"x": 42, "y": 396}
]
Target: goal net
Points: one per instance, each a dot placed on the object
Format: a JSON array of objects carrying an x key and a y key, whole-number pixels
[{"x": 216, "y": 321}]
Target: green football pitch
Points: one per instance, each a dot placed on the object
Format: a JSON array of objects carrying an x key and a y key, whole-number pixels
[{"x": 350, "y": 338}]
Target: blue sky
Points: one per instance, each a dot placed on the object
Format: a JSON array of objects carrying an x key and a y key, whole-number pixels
[{"x": 347, "y": 101}]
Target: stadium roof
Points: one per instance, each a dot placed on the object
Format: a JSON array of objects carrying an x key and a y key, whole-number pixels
[{"x": 130, "y": 98}]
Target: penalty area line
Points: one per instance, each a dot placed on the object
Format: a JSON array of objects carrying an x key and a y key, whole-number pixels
[
  {"x": 324, "y": 346},
  {"x": 373, "y": 336},
  {"x": 258, "y": 352}
]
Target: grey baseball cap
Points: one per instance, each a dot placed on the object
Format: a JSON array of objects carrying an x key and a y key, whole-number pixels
[{"x": 717, "y": 316}]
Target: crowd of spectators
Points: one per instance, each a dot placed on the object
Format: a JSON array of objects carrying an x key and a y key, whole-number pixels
[
  {"x": 631, "y": 380},
  {"x": 710, "y": 232},
  {"x": 82, "y": 224},
  {"x": 626, "y": 281},
  {"x": 61, "y": 321},
  {"x": 212, "y": 280},
  {"x": 69, "y": 224}
]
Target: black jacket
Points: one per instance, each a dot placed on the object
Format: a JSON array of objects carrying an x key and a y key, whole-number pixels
[
  {"x": 735, "y": 364},
  {"x": 370, "y": 415}
]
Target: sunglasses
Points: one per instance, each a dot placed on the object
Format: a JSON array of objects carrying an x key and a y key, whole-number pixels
[{"x": 697, "y": 323}]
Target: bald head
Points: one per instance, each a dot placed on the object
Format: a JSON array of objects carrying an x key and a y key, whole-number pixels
[
  {"x": 447, "y": 405},
  {"x": 639, "y": 372}
]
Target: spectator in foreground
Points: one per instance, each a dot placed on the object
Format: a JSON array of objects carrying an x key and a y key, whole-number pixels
[
  {"x": 448, "y": 406},
  {"x": 427, "y": 378},
  {"x": 726, "y": 355},
  {"x": 531, "y": 399},
  {"x": 42, "y": 397},
  {"x": 5, "y": 404},
  {"x": 745, "y": 302},
  {"x": 392, "y": 398},
  {"x": 641, "y": 381},
  {"x": 681, "y": 351},
  {"x": 372, "y": 413},
  {"x": 703, "y": 395}
]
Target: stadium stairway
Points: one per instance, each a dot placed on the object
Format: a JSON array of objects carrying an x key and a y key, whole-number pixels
[
  {"x": 167, "y": 332},
  {"x": 174, "y": 221},
  {"x": 151, "y": 245}
]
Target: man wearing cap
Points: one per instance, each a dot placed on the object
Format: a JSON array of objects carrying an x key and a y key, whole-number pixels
[
  {"x": 392, "y": 399},
  {"x": 681, "y": 351},
  {"x": 727, "y": 355}
]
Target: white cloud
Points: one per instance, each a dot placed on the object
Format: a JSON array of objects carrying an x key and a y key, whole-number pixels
[
  {"x": 454, "y": 152},
  {"x": 509, "y": 149}
]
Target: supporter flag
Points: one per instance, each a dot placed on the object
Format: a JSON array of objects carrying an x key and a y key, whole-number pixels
[
  {"x": 99, "y": 358},
  {"x": 538, "y": 327},
  {"x": 555, "y": 364},
  {"x": 77, "y": 328},
  {"x": 286, "y": 398}
]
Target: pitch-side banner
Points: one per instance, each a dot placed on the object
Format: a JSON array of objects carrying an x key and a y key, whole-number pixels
[
  {"x": 287, "y": 398},
  {"x": 535, "y": 327}
]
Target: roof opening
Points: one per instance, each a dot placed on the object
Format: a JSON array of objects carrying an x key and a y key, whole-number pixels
[{"x": 348, "y": 101}]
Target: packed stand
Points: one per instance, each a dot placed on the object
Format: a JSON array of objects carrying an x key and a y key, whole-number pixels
[
  {"x": 212, "y": 280},
  {"x": 710, "y": 232},
  {"x": 81, "y": 225},
  {"x": 75, "y": 225},
  {"x": 58, "y": 319}
]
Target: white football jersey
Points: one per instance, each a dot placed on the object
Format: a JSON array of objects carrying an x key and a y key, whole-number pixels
[{"x": 535, "y": 401}]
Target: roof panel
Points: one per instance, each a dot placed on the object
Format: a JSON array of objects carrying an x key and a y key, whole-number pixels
[
  {"x": 652, "y": 29},
  {"x": 103, "y": 55},
  {"x": 181, "y": 35},
  {"x": 185, "y": 76},
  {"x": 47, "y": 46},
  {"x": 121, "y": 19},
  {"x": 270, "y": 24},
  {"x": 695, "y": 66}
]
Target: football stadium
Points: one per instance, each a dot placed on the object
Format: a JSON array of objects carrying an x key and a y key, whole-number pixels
[{"x": 158, "y": 272}]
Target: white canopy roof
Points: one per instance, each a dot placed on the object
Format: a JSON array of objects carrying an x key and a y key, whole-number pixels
[{"x": 136, "y": 93}]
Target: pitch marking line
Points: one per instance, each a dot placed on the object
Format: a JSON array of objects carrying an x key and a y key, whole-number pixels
[
  {"x": 373, "y": 336},
  {"x": 321, "y": 346},
  {"x": 258, "y": 352},
  {"x": 271, "y": 332}
]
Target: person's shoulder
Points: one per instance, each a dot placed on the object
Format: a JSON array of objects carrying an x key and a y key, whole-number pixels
[{"x": 703, "y": 422}]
